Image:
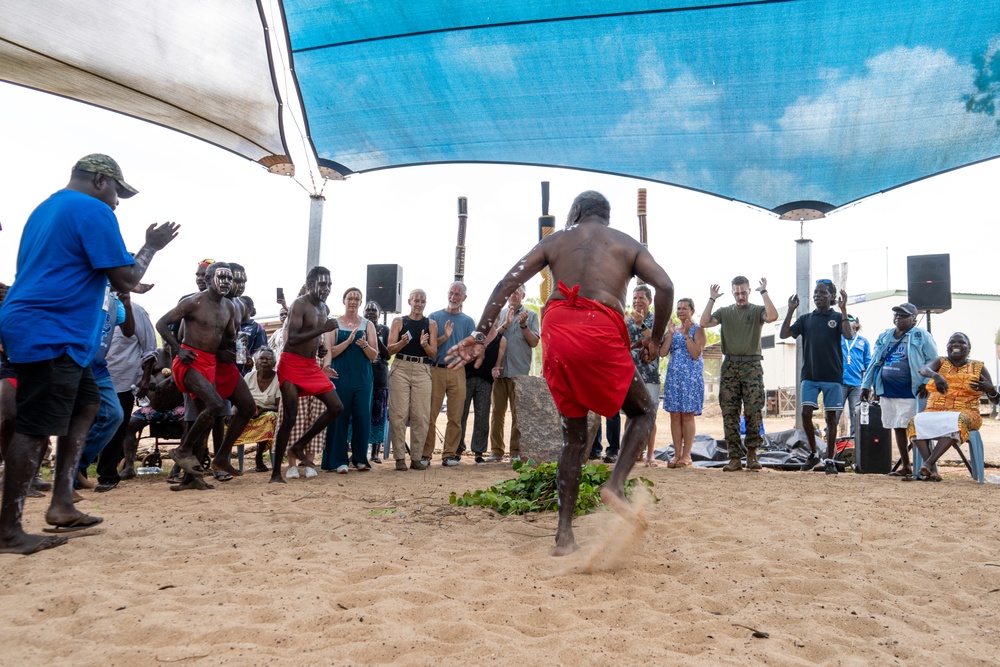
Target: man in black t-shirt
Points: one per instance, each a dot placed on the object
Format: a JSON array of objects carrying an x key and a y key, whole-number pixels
[{"x": 822, "y": 364}]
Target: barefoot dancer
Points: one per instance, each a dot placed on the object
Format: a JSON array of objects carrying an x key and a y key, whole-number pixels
[
  {"x": 298, "y": 372},
  {"x": 208, "y": 317},
  {"x": 70, "y": 249},
  {"x": 583, "y": 337}
]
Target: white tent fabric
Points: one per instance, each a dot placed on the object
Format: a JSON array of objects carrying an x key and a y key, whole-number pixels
[{"x": 202, "y": 68}]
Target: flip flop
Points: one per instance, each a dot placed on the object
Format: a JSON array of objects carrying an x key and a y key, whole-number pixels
[
  {"x": 908, "y": 478},
  {"x": 81, "y": 523},
  {"x": 899, "y": 473},
  {"x": 929, "y": 475},
  {"x": 222, "y": 476}
]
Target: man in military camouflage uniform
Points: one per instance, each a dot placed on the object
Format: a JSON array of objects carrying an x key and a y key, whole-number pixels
[{"x": 741, "y": 381}]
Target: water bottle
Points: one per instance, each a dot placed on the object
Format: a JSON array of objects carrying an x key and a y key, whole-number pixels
[
  {"x": 241, "y": 351},
  {"x": 150, "y": 470},
  {"x": 142, "y": 402},
  {"x": 993, "y": 479},
  {"x": 864, "y": 413}
]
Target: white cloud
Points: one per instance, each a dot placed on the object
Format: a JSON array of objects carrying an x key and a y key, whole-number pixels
[
  {"x": 908, "y": 98},
  {"x": 495, "y": 59},
  {"x": 660, "y": 105},
  {"x": 769, "y": 184}
]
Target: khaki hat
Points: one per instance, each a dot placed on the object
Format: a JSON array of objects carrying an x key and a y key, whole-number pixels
[{"x": 98, "y": 163}]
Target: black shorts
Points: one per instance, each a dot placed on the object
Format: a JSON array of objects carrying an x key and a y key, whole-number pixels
[{"x": 49, "y": 393}]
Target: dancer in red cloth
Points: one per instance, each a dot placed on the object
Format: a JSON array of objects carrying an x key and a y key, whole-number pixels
[
  {"x": 585, "y": 348},
  {"x": 208, "y": 317},
  {"x": 298, "y": 372}
]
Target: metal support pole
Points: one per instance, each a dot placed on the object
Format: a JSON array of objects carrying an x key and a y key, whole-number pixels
[
  {"x": 803, "y": 266},
  {"x": 315, "y": 228}
]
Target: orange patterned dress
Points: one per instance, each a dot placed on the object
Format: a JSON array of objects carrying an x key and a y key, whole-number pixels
[{"x": 961, "y": 400}]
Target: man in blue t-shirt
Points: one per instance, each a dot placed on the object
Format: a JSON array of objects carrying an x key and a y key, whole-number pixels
[
  {"x": 453, "y": 325},
  {"x": 822, "y": 364},
  {"x": 51, "y": 326}
]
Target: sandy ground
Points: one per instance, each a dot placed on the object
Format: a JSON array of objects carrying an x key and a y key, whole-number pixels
[{"x": 377, "y": 568}]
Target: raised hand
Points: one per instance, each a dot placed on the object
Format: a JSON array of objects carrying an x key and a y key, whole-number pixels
[
  {"x": 449, "y": 326},
  {"x": 715, "y": 292},
  {"x": 763, "y": 285},
  {"x": 843, "y": 300},
  {"x": 158, "y": 236},
  {"x": 793, "y": 302},
  {"x": 671, "y": 328},
  {"x": 522, "y": 319},
  {"x": 425, "y": 338}
]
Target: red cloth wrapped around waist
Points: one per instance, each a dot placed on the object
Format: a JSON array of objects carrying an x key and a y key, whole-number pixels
[
  {"x": 304, "y": 373},
  {"x": 227, "y": 376},
  {"x": 585, "y": 355},
  {"x": 204, "y": 363}
]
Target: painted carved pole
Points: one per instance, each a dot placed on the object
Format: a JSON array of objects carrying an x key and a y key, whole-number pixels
[
  {"x": 546, "y": 225},
  {"x": 642, "y": 221},
  {"x": 463, "y": 217}
]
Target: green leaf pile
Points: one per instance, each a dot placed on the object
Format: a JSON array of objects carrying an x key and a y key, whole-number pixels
[{"x": 534, "y": 490}]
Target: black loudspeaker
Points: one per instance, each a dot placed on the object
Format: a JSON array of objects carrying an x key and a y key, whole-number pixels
[
  {"x": 385, "y": 286},
  {"x": 872, "y": 443},
  {"x": 929, "y": 282}
]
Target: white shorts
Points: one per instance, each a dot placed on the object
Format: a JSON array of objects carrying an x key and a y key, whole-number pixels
[{"x": 897, "y": 412}]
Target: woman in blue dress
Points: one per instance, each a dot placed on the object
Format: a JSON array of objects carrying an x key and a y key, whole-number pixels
[
  {"x": 684, "y": 384},
  {"x": 353, "y": 347}
]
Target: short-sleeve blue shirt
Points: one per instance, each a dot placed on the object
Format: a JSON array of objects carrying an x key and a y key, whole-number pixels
[
  {"x": 462, "y": 324},
  {"x": 56, "y": 304}
]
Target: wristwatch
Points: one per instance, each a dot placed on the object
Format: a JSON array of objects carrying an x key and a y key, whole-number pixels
[{"x": 478, "y": 336}]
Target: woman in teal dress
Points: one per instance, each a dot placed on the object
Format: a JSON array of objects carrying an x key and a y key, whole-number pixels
[{"x": 351, "y": 357}]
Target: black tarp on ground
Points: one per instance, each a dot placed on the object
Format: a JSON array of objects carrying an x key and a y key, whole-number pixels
[{"x": 784, "y": 450}]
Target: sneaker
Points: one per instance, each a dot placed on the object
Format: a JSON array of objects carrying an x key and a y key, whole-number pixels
[
  {"x": 104, "y": 487},
  {"x": 611, "y": 458},
  {"x": 450, "y": 462},
  {"x": 810, "y": 462},
  {"x": 292, "y": 473},
  {"x": 425, "y": 462},
  {"x": 417, "y": 465},
  {"x": 480, "y": 459},
  {"x": 493, "y": 458},
  {"x": 361, "y": 467},
  {"x": 594, "y": 457},
  {"x": 830, "y": 467},
  {"x": 401, "y": 465},
  {"x": 733, "y": 465},
  {"x": 342, "y": 470},
  {"x": 309, "y": 473},
  {"x": 515, "y": 456}
]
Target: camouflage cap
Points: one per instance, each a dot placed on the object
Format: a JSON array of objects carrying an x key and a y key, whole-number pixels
[{"x": 98, "y": 163}]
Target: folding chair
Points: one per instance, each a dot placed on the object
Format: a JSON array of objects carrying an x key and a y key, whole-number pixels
[{"x": 976, "y": 463}]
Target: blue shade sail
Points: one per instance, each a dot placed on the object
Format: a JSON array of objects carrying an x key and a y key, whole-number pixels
[{"x": 764, "y": 102}]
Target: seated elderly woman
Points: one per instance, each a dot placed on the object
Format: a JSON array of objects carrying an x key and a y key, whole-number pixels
[
  {"x": 952, "y": 405},
  {"x": 263, "y": 384}
]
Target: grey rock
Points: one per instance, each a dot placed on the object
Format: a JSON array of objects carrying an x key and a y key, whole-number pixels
[{"x": 539, "y": 421}]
